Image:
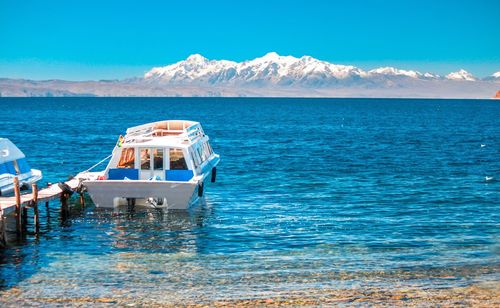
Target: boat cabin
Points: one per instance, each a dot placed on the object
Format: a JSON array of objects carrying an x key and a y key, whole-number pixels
[
  {"x": 13, "y": 164},
  {"x": 162, "y": 151},
  {"x": 12, "y": 160}
]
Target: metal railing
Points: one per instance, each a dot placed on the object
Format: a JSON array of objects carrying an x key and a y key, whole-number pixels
[{"x": 190, "y": 133}]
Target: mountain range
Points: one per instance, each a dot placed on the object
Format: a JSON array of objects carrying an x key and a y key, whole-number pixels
[{"x": 270, "y": 75}]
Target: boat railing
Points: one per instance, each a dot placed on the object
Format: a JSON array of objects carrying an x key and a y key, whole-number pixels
[
  {"x": 190, "y": 133},
  {"x": 194, "y": 131},
  {"x": 139, "y": 132},
  {"x": 6, "y": 177}
]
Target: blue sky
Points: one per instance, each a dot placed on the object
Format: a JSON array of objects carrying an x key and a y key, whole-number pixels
[{"x": 103, "y": 39}]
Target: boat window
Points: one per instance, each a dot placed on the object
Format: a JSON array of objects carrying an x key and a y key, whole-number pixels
[
  {"x": 190, "y": 150},
  {"x": 196, "y": 157},
  {"x": 200, "y": 153},
  {"x": 158, "y": 159},
  {"x": 205, "y": 150},
  {"x": 203, "y": 153},
  {"x": 127, "y": 158},
  {"x": 16, "y": 167},
  {"x": 191, "y": 154},
  {"x": 145, "y": 159},
  {"x": 177, "y": 161}
]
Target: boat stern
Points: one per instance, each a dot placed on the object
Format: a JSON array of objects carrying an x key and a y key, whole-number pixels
[{"x": 162, "y": 194}]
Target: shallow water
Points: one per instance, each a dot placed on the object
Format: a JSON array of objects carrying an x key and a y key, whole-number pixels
[{"x": 311, "y": 194}]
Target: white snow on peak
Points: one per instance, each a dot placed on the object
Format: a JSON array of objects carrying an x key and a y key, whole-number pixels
[
  {"x": 270, "y": 67},
  {"x": 284, "y": 70},
  {"x": 461, "y": 75},
  {"x": 431, "y": 75},
  {"x": 196, "y": 58},
  {"x": 395, "y": 72},
  {"x": 270, "y": 56},
  {"x": 194, "y": 67},
  {"x": 496, "y": 75},
  {"x": 277, "y": 68}
]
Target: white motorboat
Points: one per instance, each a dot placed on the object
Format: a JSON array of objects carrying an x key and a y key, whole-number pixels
[
  {"x": 13, "y": 164},
  {"x": 164, "y": 164}
]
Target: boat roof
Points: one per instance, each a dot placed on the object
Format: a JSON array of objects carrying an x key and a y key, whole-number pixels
[
  {"x": 179, "y": 133},
  {"x": 8, "y": 151}
]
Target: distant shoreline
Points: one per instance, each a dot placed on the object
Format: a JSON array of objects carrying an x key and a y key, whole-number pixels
[
  {"x": 401, "y": 87},
  {"x": 251, "y": 97}
]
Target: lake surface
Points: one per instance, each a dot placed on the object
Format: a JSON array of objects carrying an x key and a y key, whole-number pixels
[{"x": 311, "y": 194}]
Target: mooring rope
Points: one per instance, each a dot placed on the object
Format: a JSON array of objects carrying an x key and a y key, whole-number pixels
[{"x": 103, "y": 160}]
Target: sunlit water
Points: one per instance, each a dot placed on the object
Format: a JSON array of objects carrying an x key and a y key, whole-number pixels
[{"x": 310, "y": 194}]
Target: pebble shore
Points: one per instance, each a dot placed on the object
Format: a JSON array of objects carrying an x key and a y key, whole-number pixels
[{"x": 477, "y": 295}]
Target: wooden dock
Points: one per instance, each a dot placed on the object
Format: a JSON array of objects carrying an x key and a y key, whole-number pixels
[
  {"x": 20, "y": 203},
  {"x": 8, "y": 204}
]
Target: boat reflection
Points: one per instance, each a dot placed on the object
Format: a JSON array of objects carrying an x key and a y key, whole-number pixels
[{"x": 156, "y": 229}]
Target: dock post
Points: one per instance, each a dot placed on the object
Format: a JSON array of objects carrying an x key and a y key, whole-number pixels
[
  {"x": 3, "y": 233},
  {"x": 47, "y": 203},
  {"x": 17, "y": 194},
  {"x": 64, "y": 205},
  {"x": 82, "y": 200},
  {"x": 24, "y": 218},
  {"x": 36, "y": 215}
]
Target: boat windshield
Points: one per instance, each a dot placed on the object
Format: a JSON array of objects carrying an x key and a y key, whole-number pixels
[
  {"x": 158, "y": 159},
  {"x": 177, "y": 161},
  {"x": 145, "y": 159},
  {"x": 127, "y": 158}
]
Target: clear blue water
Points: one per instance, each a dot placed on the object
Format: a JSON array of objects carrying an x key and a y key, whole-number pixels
[{"x": 311, "y": 194}]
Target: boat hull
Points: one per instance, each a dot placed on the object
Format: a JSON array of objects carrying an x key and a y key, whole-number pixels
[
  {"x": 164, "y": 194},
  {"x": 25, "y": 180},
  {"x": 176, "y": 195}
]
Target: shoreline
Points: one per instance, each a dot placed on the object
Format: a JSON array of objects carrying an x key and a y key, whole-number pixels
[
  {"x": 482, "y": 294},
  {"x": 258, "y": 97}
]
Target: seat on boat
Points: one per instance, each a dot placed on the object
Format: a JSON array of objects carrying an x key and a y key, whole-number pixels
[
  {"x": 179, "y": 175},
  {"x": 161, "y": 133},
  {"x": 170, "y": 128},
  {"x": 122, "y": 173}
]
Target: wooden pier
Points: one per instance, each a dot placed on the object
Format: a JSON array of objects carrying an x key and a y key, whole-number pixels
[{"x": 20, "y": 203}]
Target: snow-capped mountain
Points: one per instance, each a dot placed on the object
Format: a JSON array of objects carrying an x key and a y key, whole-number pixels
[
  {"x": 495, "y": 77},
  {"x": 194, "y": 67},
  {"x": 274, "y": 69},
  {"x": 461, "y": 75},
  {"x": 270, "y": 75},
  {"x": 391, "y": 71},
  {"x": 271, "y": 68},
  {"x": 394, "y": 72}
]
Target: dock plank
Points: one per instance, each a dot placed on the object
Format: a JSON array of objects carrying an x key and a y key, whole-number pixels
[{"x": 8, "y": 204}]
